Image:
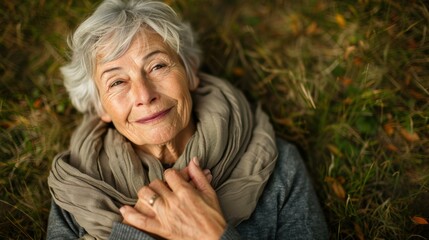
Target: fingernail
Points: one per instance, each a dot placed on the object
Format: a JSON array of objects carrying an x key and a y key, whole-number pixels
[
  {"x": 122, "y": 210},
  {"x": 196, "y": 161},
  {"x": 207, "y": 171},
  {"x": 209, "y": 178}
]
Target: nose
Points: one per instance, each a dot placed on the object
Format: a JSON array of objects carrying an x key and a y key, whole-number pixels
[{"x": 144, "y": 92}]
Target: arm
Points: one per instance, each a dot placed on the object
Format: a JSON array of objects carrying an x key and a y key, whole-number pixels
[
  {"x": 300, "y": 215},
  {"x": 61, "y": 225}
]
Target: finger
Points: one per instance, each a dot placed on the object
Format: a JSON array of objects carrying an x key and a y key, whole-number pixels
[
  {"x": 198, "y": 177},
  {"x": 208, "y": 175},
  {"x": 148, "y": 196},
  {"x": 143, "y": 207},
  {"x": 135, "y": 218},
  {"x": 174, "y": 179},
  {"x": 160, "y": 188},
  {"x": 185, "y": 174}
]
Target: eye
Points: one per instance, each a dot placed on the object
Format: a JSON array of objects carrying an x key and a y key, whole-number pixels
[
  {"x": 158, "y": 66},
  {"x": 116, "y": 83}
]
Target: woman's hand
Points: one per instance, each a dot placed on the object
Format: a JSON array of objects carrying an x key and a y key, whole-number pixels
[{"x": 184, "y": 207}]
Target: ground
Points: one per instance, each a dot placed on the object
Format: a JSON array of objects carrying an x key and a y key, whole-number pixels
[{"x": 346, "y": 81}]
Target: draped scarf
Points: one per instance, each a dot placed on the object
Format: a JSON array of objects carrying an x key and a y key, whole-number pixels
[{"x": 103, "y": 171}]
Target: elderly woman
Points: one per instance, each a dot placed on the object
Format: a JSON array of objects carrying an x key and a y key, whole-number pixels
[{"x": 165, "y": 151}]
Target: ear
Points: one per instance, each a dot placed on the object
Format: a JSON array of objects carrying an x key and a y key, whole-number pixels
[
  {"x": 105, "y": 117},
  {"x": 195, "y": 81}
]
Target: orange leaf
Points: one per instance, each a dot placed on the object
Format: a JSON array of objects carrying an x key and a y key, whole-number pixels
[
  {"x": 419, "y": 220},
  {"x": 284, "y": 121},
  {"x": 392, "y": 147},
  {"x": 340, "y": 20},
  {"x": 357, "y": 61},
  {"x": 417, "y": 95},
  {"x": 389, "y": 128},
  {"x": 410, "y": 137},
  {"x": 238, "y": 71},
  {"x": 5, "y": 124},
  {"x": 345, "y": 81},
  {"x": 338, "y": 190},
  {"x": 37, "y": 103},
  {"x": 359, "y": 232},
  {"x": 334, "y": 150},
  {"x": 329, "y": 179},
  {"x": 312, "y": 28}
]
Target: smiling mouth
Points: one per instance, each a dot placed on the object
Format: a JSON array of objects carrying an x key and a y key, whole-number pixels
[{"x": 154, "y": 117}]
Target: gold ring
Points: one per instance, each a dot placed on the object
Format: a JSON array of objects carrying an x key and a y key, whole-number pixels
[{"x": 153, "y": 199}]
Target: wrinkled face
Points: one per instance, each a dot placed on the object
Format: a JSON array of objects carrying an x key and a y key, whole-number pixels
[{"x": 145, "y": 92}]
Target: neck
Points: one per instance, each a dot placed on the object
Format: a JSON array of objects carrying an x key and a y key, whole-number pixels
[{"x": 167, "y": 153}]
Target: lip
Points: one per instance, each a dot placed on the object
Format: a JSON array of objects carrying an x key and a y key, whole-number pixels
[{"x": 154, "y": 117}]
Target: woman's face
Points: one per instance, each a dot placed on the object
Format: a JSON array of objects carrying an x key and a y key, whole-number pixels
[{"x": 145, "y": 93}]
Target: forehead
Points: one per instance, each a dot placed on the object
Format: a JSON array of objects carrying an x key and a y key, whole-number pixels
[{"x": 144, "y": 40}]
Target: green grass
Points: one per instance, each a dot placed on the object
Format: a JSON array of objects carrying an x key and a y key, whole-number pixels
[{"x": 346, "y": 81}]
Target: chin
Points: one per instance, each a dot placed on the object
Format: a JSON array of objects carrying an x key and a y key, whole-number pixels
[{"x": 158, "y": 138}]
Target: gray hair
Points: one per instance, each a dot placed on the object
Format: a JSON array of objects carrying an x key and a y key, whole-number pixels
[{"x": 114, "y": 24}]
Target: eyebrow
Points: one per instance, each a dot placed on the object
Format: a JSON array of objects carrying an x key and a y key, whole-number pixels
[
  {"x": 109, "y": 70},
  {"x": 146, "y": 57}
]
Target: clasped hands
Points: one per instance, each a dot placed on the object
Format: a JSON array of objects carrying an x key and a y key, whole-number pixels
[{"x": 185, "y": 206}]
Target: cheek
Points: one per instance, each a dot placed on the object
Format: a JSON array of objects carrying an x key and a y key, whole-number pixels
[
  {"x": 116, "y": 108},
  {"x": 186, "y": 108}
]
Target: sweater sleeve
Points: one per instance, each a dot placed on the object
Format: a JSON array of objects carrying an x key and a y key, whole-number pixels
[
  {"x": 230, "y": 233},
  {"x": 61, "y": 225},
  {"x": 124, "y": 231}
]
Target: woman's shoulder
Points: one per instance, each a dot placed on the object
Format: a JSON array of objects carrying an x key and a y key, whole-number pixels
[{"x": 289, "y": 157}]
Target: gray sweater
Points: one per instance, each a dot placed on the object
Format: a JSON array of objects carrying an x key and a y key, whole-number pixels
[{"x": 287, "y": 209}]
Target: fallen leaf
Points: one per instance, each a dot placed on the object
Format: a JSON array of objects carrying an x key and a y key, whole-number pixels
[
  {"x": 312, "y": 28},
  {"x": 359, "y": 232},
  {"x": 419, "y": 220},
  {"x": 348, "y": 100},
  {"x": 340, "y": 20},
  {"x": 389, "y": 128},
  {"x": 294, "y": 24},
  {"x": 357, "y": 61},
  {"x": 329, "y": 179},
  {"x": 392, "y": 147},
  {"x": 417, "y": 95},
  {"x": 37, "y": 103},
  {"x": 5, "y": 124},
  {"x": 410, "y": 137},
  {"x": 345, "y": 81},
  {"x": 284, "y": 121},
  {"x": 336, "y": 186},
  {"x": 341, "y": 179},
  {"x": 334, "y": 150},
  {"x": 338, "y": 190},
  {"x": 348, "y": 51},
  {"x": 238, "y": 71}
]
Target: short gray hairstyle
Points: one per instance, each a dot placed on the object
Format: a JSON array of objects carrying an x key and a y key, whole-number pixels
[{"x": 114, "y": 24}]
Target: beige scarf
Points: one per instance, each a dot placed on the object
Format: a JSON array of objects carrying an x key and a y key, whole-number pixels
[{"x": 102, "y": 171}]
